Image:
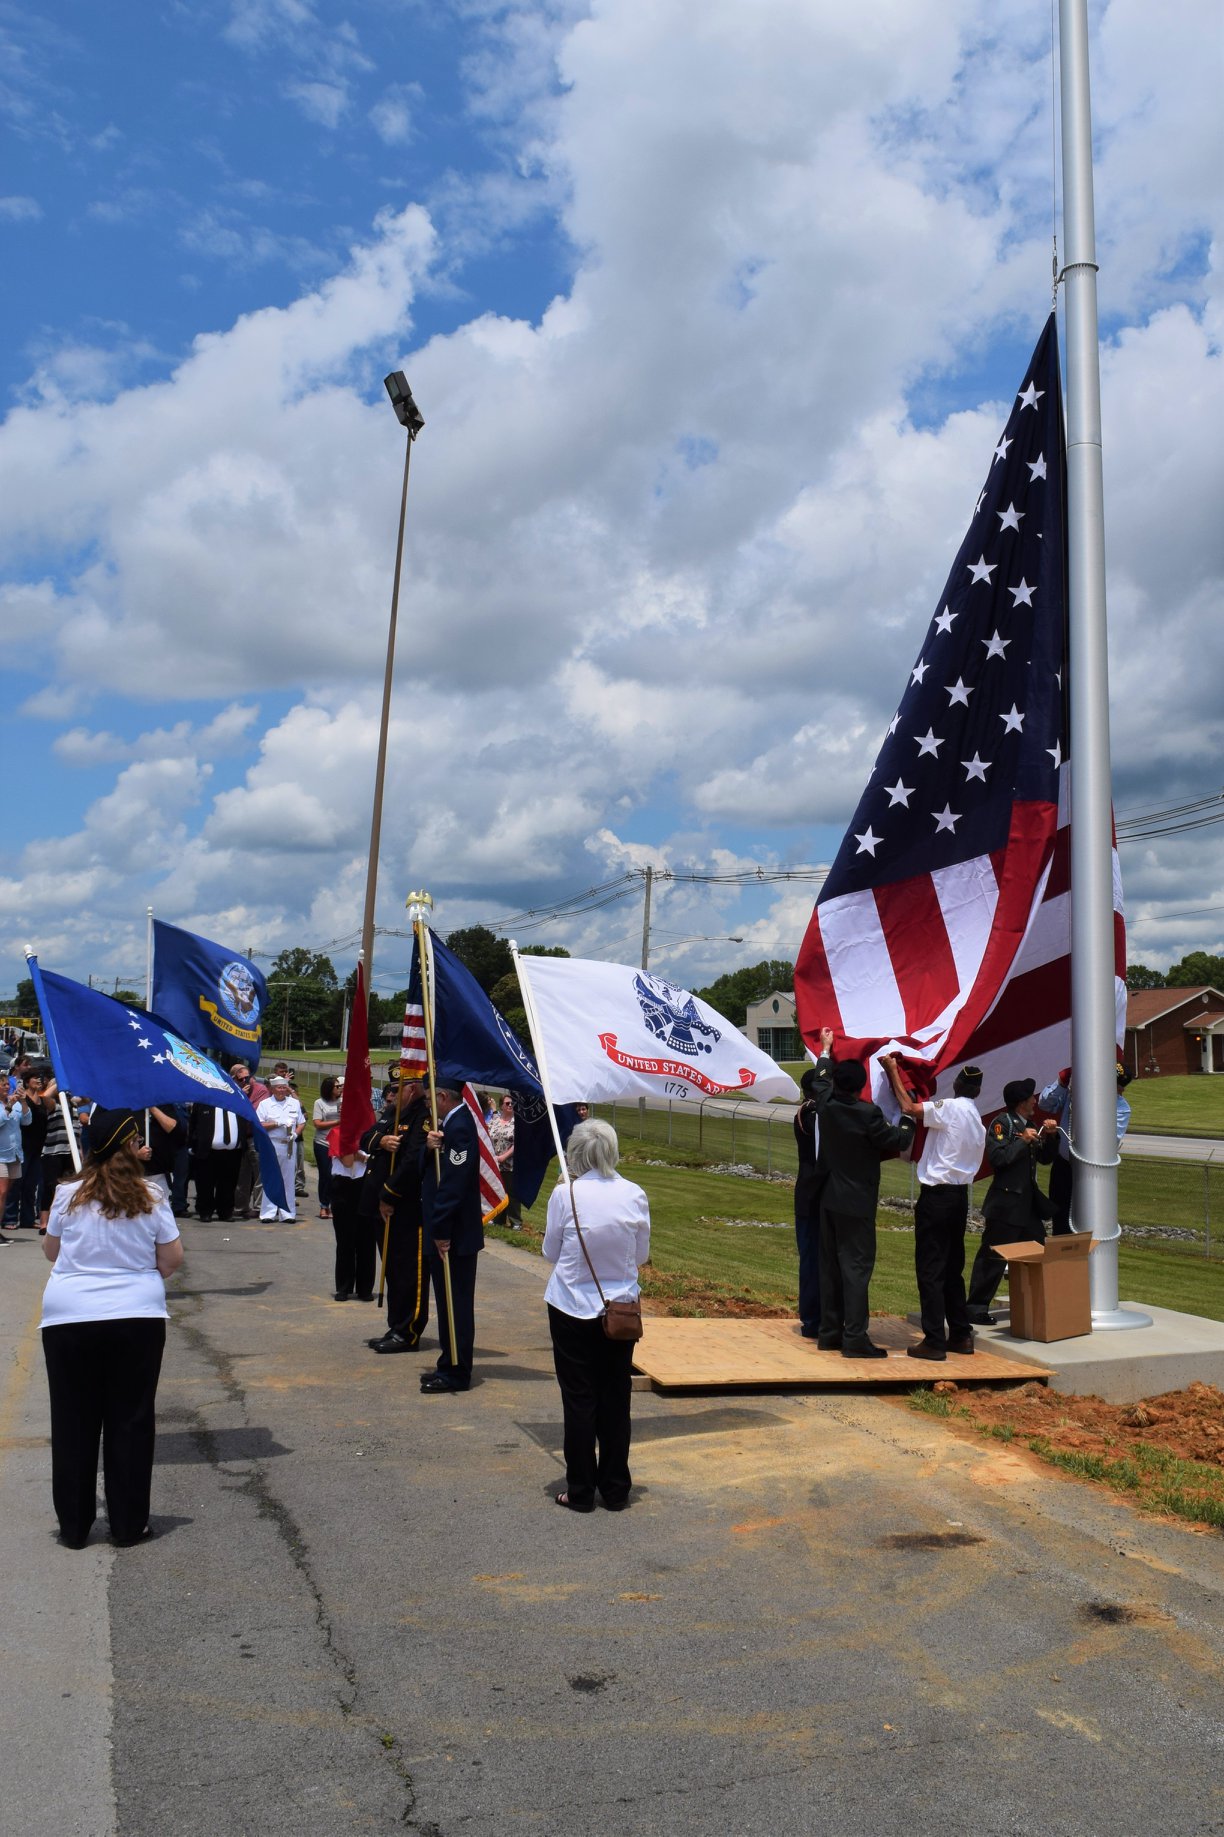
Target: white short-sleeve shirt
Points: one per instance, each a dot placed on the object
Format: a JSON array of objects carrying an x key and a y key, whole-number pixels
[
  {"x": 107, "y": 1267},
  {"x": 955, "y": 1142}
]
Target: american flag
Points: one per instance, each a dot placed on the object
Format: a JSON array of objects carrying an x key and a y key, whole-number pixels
[
  {"x": 413, "y": 1059},
  {"x": 943, "y": 929},
  {"x": 492, "y": 1188}
]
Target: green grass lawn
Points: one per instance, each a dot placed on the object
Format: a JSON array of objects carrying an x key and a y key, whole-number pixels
[
  {"x": 1177, "y": 1106},
  {"x": 700, "y": 1260}
]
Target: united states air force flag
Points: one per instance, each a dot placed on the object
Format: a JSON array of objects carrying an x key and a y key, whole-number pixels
[
  {"x": 127, "y": 1059},
  {"x": 210, "y": 994}
]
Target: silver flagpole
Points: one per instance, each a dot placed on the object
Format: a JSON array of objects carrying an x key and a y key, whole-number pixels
[{"x": 1094, "y": 1044}]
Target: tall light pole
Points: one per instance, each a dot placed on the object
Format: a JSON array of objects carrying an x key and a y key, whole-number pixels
[{"x": 412, "y": 421}]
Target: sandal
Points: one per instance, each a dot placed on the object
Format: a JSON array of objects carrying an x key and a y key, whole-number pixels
[{"x": 565, "y": 1500}]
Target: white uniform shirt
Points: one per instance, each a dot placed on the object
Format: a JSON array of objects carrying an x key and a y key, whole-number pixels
[
  {"x": 615, "y": 1219},
  {"x": 280, "y": 1116},
  {"x": 107, "y": 1267},
  {"x": 955, "y": 1143}
]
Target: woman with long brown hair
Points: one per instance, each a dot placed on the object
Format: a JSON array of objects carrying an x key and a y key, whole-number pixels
[{"x": 111, "y": 1239}]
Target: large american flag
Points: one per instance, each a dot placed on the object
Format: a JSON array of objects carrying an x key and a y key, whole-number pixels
[{"x": 943, "y": 929}]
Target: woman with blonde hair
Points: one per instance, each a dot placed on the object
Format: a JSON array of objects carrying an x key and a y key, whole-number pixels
[
  {"x": 111, "y": 1240},
  {"x": 594, "y": 1372}
]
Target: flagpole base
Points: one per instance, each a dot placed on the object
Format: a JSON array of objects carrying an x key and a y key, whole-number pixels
[{"x": 1118, "y": 1320}]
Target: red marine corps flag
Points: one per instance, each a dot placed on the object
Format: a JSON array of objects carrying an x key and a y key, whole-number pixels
[{"x": 943, "y": 929}]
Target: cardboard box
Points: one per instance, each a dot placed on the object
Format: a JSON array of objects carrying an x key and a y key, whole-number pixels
[{"x": 1050, "y": 1297}]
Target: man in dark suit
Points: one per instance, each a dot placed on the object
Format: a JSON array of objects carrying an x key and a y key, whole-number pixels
[
  {"x": 454, "y": 1230},
  {"x": 855, "y": 1136},
  {"x": 394, "y": 1174},
  {"x": 808, "y": 1186},
  {"x": 1015, "y": 1208}
]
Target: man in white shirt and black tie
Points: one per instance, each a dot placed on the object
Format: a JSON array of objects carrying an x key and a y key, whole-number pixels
[
  {"x": 218, "y": 1140},
  {"x": 949, "y": 1164}
]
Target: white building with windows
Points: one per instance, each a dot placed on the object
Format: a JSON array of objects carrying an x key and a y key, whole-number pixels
[{"x": 771, "y": 1025}]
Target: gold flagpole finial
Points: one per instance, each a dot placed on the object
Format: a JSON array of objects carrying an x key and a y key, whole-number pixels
[{"x": 419, "y": 905}]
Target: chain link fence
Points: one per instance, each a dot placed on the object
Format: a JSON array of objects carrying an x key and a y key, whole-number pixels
[{"x": 1159, "y": 1201}]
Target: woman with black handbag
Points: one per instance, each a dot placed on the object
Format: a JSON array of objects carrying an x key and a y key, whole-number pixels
[{"x": 597, "y": 1236}]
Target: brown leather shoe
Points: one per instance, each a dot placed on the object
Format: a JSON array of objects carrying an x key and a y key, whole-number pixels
[
  {"x": 961, "y": 1346},
  {"x": 925, "y": 1350}
]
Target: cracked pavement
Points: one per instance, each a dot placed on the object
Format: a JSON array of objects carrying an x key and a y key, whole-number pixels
[{"x": 361, "y": 1611}]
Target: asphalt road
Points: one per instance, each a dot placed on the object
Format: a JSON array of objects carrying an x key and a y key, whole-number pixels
[{"x": 361, "y": 1611}]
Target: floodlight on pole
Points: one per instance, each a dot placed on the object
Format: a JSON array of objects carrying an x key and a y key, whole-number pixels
[{"x": 412, "y": 421}]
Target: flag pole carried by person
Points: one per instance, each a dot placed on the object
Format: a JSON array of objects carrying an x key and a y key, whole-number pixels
[
  {"x": 48, "y": 1021},
  {"x": 418, "y": 905}
]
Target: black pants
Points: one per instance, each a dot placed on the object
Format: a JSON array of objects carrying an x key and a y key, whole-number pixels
[
  {"x": 248, "y": 1179},
  {"x": 847, "y": 1259},
  {"x": 939, "y": 1261},
  {"x": 102, "y": 1376},
  {"x": 595, "y": 1375},
  {"x": 807, "y": 1241},
  {"x": 216, "y": 1181},
  {"x": 1060, "y": 1196},
  {"x": 988, "y": 1265},
  {"x": 463, "y": 1294},
  {"x": 323, "y": 1163},
  {"x": 407, "y": 1278},
  {"x": 355, "y": 1235}
]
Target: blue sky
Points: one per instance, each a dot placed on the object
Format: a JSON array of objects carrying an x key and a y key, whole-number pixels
[{"x": 713, "y": 322}]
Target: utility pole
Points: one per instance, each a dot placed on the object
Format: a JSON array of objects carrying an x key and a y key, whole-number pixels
[{"x": 646, "y": 920}]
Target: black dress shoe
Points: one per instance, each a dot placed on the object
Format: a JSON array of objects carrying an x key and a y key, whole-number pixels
[
  {"x": 961, "y": 1346},
  {"x": 437, "y": 1382},
  {"x": 810, "y": 1332},
  {"x": 365, "y": 1297},
  {"x": 828, "y": 1342},
  {"x": 925, "y": 1350},
  {"x": 863, "y": 1349},
  {"x": 392, "y": 1342},
  {"x": 344, "y": 1294},
  {"x": 982, "y": 1319}
]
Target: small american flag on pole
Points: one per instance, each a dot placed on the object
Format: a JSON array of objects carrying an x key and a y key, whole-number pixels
[
  {"x": 943, "y": 929},
  {"x": 492, "y": 1188}
]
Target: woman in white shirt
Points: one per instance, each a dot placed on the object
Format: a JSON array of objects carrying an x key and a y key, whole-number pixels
[
  {"x": 594, "y": 1372},
  {"x": 325, "y": 1116},
  {"x": 112, "y": 1239}
]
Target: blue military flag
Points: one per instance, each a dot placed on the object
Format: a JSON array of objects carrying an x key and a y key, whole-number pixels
[
  {"x": 127, "y": 1059},
  {"x": 475, "y": 1044},
  {"x": 210, "y": 994}
]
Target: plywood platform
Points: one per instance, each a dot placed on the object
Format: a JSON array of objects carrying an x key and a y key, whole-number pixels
[{"x": 681, "y": 1354}]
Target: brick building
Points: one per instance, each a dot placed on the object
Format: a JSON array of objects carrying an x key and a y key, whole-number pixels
[{"x": 1174, "y": 1031}]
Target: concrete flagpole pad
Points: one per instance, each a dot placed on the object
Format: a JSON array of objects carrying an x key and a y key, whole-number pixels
[{"x": 1176, "y": 1350}]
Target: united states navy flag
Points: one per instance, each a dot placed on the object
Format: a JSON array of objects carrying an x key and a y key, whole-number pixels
[
  {"x": 475, "y": 1044},
  {"x": 210, "y": 994},
  {"x": 127, "y": 1059}
]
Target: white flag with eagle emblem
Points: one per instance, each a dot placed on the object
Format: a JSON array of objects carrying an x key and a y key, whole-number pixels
[{"x": 609, "y": 1031}]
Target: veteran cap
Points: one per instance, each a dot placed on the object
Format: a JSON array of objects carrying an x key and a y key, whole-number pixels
[
  {"x": 1018, "y": 1091},
  {"x": 109, "y": 1130}
]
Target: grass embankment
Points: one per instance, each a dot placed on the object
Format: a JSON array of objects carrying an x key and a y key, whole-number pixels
[
  {"x": 704, "y": 1262},
  {"x": 1150, "y": 1452},
  {"x": 1177, "y": 1106}
]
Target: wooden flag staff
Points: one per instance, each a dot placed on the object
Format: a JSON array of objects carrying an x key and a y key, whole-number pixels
[{"x": 418, "y": 905}]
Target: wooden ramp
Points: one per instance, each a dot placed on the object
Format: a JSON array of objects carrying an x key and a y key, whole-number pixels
[{"x": 684, "y": 1354}]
